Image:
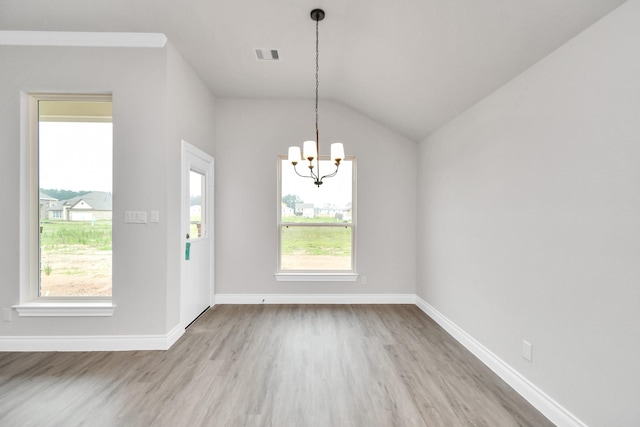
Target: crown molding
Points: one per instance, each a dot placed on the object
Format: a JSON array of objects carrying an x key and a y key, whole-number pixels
[{"x": 82, "y": 39}]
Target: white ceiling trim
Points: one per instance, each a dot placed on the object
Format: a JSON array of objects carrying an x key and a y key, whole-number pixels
[{"x": 82, "y": 39}]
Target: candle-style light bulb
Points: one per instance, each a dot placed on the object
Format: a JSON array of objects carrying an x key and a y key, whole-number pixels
[
  {"x": 294, "y": 155},
  {"x": 337, "y": 152},
  {"x": 310, "y": 151}
]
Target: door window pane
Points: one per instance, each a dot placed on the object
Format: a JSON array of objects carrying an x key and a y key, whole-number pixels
[{"x": 197, "y": 204}]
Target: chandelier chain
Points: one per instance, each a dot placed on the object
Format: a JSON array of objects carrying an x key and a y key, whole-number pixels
[
  {"x": 313, "y": 156},
  {"x": 317, "y": 73}
]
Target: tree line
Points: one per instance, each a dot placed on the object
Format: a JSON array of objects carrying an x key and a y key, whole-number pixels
[{"x": 62, "y": 194}]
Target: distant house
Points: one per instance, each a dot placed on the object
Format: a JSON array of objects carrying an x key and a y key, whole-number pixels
[
  {"x": 347, "y": 213},
  {"x": 305, "y": 210},
  {"x": 329, "y": 211},
  {"x": 46, "y": 204},
  {"x": 286, "y": 210},
  {"x": 92, "y": 206}
]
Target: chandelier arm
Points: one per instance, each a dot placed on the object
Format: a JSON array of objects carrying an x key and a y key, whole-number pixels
[
  {"x": 331, "y": 175},
  {"x": 312, "y": 175}
]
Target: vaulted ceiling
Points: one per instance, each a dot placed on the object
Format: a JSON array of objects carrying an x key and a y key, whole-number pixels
[{"x": 411, "y": 65}]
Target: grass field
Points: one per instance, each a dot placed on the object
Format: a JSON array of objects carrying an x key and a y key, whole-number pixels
[
  {"x": 75, "y": 258},
  {"x": 332, "y": 241},
  {"x": 314, "y": 220},
  {"x": 315, "y": 247},
  {"x": 65, "y": 235}
]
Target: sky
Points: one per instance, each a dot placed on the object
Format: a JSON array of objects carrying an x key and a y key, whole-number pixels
[
  {"x": 336, "y": 190},
  {"x": 79, "y": 157},
  {"x": 196, "y": 182},
  {"x": 76, "y": 156}
]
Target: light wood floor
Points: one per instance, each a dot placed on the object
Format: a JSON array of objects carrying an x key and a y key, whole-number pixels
[{"x": 270, "y": 365}]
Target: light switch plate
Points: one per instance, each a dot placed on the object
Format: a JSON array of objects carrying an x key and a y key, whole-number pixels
[{"x": 135, "y": 217}]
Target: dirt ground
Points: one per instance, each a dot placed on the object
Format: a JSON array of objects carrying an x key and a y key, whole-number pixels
[
  {"x": 83, "y": 273},
  {"x": 88, "y": 272}
]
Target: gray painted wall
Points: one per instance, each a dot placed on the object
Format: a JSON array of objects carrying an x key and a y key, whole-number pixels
[
  {"x": 250, "y": 135},
  {"x": 191, "y": 116},
  {"x": 157, "y": 100},
  {"x": 527, "y": 205},
  {"x": 529, "y": 221}
]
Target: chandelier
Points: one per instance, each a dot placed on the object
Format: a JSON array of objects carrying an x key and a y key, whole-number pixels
[{"x": 311, "y": 149}]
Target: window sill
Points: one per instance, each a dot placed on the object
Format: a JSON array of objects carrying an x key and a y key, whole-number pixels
[
  {"x": 65, "y": 309},
  {"x": 316, "y": 277}
]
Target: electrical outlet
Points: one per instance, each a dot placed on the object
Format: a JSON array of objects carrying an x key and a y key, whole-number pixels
[
  {"x": 6, "y": 314},
  {"x": 527, "y": 351},
  {"x": 363, "y": 280}
]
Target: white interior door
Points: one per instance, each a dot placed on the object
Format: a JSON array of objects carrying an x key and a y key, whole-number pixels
[{"x": 197, "y": 232}]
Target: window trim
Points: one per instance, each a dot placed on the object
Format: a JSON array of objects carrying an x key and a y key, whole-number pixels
[
  {"x": 65, "y": 309},
  {"x": 31, "y": 304},
  {"x": 317, "y": 275}
]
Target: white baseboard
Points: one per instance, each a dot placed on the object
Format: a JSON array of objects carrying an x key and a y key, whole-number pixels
[
  {"x": 539, "y": 399},
  {"x": 173, "y": 336},
  {"x": 92, "y": 343},
  {"x": 315, "y": 299},
  {"x": 536, "y": 397}
]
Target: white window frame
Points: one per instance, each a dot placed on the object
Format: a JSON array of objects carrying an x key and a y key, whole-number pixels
[
  {"x": 317, "y": 275},
  {"x": 31, "y": 304}
]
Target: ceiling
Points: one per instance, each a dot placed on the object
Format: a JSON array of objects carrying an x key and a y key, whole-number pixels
[{"x": 411, "y": 65}]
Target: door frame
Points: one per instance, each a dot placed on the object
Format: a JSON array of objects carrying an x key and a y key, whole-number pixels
[{"x": 188, "y": 149}]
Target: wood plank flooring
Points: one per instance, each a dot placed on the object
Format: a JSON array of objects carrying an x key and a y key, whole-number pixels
[{"x": 270, "y": 365}]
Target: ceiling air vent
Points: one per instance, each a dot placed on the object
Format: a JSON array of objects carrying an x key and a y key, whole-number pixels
[{"x": 267, "y": 54}]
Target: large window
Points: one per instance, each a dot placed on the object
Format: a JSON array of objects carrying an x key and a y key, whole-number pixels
[
  {"x": 316, "y": 224},
  {"x": 71, "y": 178}
]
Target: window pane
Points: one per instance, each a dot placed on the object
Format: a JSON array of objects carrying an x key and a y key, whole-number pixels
[
  {"x": 315, "y": 248},
  {"x": 196, "y": 204},
  {"x": 302, "y": 201},
  {"x": 75, "y": 184}
]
